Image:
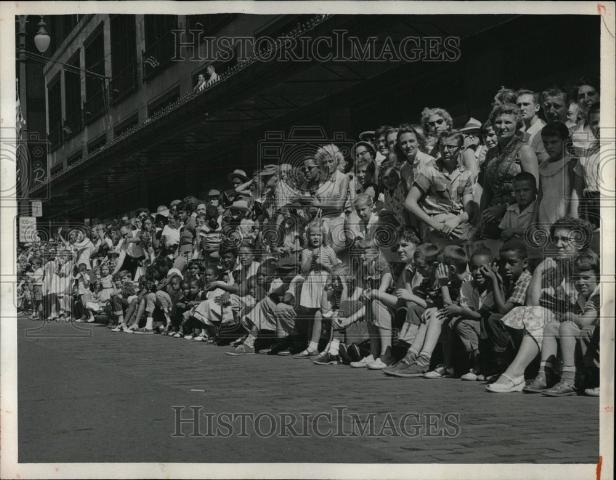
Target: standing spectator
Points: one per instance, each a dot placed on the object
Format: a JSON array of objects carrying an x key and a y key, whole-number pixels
[
  {"x": 510, "y": 157},
  {"x": 528, "y": 103},
  {"x": 588, "y": 169},
  {"x": 435, "y": 122},
  {"x": 554, "y": 101},
  {"x": 559, "y": 186}
]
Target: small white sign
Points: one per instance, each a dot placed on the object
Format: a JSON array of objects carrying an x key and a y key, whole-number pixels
[
  {"x": 37, "y": 208},
  {"x": 27, "y": 229}
]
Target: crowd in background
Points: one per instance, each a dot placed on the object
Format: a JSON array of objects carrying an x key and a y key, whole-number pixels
[{"x": 426, "y": 251}]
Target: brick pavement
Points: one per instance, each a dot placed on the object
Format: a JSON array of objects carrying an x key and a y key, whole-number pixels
[{"x": 94, "y": 396}]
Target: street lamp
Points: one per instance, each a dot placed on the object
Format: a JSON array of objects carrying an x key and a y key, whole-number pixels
[{"x": 42, "y": 38}]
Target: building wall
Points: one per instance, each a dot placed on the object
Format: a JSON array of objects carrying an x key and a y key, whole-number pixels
[{"x": 178, "y": 74}]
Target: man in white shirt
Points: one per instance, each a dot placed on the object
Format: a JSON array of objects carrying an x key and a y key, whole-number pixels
[
  {"x": 528, "y": 102},
  {"x": 213, "y": 76}
]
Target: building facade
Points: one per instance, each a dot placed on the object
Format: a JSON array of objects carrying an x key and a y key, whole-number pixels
[{"x": 125, "y": 128}]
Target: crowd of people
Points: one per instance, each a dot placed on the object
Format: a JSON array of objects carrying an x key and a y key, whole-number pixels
[{"x": 428, "y": 251}]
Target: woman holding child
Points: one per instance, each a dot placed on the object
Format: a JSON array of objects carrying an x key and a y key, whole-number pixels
[{"x": 502, "y": 164}]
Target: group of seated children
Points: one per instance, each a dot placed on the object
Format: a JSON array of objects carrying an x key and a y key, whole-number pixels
[{"x": 490, "y": 316}]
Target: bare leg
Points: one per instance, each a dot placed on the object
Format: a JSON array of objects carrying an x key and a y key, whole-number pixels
[{"x": 526, "y": 354}]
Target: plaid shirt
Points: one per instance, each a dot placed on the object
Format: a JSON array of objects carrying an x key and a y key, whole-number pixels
[{"x": 517, "y": 292}]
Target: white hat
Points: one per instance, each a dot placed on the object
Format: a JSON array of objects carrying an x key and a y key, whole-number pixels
[
  {"x": 238, "y": 173},
  {"x": 175, "y": 271},
  {"x": 162, "y": 210}
]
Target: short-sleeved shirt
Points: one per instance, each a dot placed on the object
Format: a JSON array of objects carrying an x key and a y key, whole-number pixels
[
  {"x": 516, "y": 294},
  {"x": 409, "y": 172},
  {"x": 592, "y": 303},
  {"x": 588, "y": 168},
  {"x": 172, "y": 236},
  {"x": 444, "y": 192},
  {"x": 473, "y": 299},
  {"x": 532, "y": 138},
  {"x": 516, "y": 219}
]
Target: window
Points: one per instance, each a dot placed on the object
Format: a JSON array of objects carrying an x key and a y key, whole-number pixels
[
  {"x": 123, "y": 56},
  {"x": 95, "y": 86},
  {"x": 97, "y": 144},
  {"x": 72, "y": 97},
  {"x": 159, "y": 43},
  {"x": 74, "y": 158},
  {"x": 54, "y": 95},
  {"x": 158, "y": 105},
  {"x": 126, "y": 125}
]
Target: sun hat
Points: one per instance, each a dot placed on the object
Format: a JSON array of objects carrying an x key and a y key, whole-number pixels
[
  {"x": 367, "y": 135},
  {"x": 268, "y": 170},
  {"x": 175, "y": 203},
  {"x": 162, "y": 210},
  {"x": 241, "y": 174},
  {"x": 213, "y": 193},
  {"x": 175, "y": 271},
  {"x": 471, "y": 126}
]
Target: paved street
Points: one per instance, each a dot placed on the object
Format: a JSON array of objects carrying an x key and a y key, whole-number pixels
[{"x": 91, "y": 395}]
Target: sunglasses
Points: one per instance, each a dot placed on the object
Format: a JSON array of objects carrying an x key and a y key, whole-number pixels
[{"x": 437, "y": 122}]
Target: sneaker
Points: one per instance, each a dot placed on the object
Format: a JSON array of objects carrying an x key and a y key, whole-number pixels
[
  {"x": 416, "y": 369},
  {"x": 354, "y": 353},
  {"x": 91, "y": 320},
  {"x": 363, "y": 363},
  {"x": 592, "y": 392},
  {"x": 144, "y": 331},
  {"x": 199, "y": 338},
  {"x": 408, "y": 360},
  {"x": 327, "y": 359},
  {"x": 306, "y": 354},
  {"x": 177, "y": 335},
  {"x": 242, "y": 349},
  {"x": 537, "y": 385},
  {"x": 188, "y": 337},
  {"x": 377, "y": 364},
  {"x": 345, "y": 358},
  {"x": 561, "y": 389},
  {"x": 440, "y": 372},
  {"x": 471, "y": 376},
  {"x": 507, "y": 386},
  {"x": 119, "y": 328}
]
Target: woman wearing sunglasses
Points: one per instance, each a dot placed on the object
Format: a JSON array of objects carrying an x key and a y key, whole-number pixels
[{"x": 435, "y": 122}]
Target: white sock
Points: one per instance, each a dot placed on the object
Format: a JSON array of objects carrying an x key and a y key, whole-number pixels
[
  {"x": 313, "y": 346},
  {"x": 149, "y": 323},
  {"x": 334, "y": 347}
]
